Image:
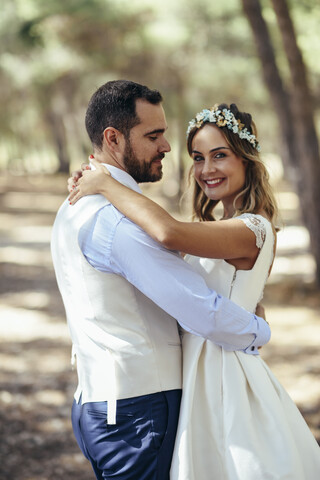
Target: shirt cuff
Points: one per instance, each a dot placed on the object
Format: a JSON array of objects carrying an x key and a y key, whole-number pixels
[{"x": 261, "y": 338}]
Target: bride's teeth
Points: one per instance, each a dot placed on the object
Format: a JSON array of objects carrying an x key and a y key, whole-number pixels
[{"x": 213, "y": 182}]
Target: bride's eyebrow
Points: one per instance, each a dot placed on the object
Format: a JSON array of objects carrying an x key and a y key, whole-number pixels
[
  {"x": 219, "y": 148},
  {"x": 213, "y": 150}
]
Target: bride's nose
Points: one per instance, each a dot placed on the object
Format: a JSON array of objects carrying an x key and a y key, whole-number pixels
[{"x": 209, "y": 166}]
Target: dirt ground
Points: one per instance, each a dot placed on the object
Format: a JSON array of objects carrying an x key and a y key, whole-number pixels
[{"x": 36, "y": 380}]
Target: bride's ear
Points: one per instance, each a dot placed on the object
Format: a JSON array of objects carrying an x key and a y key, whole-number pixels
[{"x": 113, "y": 139}]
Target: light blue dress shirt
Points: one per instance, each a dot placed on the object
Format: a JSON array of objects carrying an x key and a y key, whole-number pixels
[{"x": 113, "y": 244}]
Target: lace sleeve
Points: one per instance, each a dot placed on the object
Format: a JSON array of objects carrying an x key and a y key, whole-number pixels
[{"x": 256, "y": 225}]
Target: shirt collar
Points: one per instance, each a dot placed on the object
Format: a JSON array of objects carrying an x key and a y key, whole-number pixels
[{"x": 123, "y": 177}]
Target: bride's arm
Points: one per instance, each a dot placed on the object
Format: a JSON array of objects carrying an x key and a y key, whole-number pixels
[{"x": 228, "y": 239}]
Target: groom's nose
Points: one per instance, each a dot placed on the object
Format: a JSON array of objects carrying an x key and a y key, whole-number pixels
[{"x": 165, "y": 146}]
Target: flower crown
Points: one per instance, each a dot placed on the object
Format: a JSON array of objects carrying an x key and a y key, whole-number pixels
[{"x": 223, "y": 118}]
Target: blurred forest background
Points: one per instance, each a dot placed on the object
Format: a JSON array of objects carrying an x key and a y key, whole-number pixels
[{"x": 262, "y": 55}]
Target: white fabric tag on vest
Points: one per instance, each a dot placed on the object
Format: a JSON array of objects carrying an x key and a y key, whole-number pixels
[{"x": 112, "y": 398}]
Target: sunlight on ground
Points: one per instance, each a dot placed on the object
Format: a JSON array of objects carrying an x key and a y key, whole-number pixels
[
  {"x": 51, "y": 361},
  {"x": 21, "y": 324},
  {"x": 28, "y": 299},
  {"x": 31, "y": 233},
  {"x": 32, "y": 201},
  {"x": 300, "y": 267},
  {"x": 50, "y": 397},
  {"x": 293, "y": 258},
  {"x": 293, "y": 352},
  {"x": 294, "y": 326},
  {"x": 25, "y": 256},
  {"x": 54, "y": 424}
]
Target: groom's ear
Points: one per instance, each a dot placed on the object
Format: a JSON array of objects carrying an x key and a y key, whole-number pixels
[{"x": 113, "y": 139}]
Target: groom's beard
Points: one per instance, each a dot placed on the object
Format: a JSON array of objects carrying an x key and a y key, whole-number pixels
[{"x": 141, "y": 170}]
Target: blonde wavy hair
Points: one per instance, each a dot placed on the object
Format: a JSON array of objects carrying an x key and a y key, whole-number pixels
[{"x": 257, "y": 194}]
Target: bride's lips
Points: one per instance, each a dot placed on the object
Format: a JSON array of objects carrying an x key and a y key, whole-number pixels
[{"x": 213, "y": 182}]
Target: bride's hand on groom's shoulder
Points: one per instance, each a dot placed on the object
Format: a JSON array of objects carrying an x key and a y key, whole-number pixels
[
  {"x": 76, "y": 175},
  {"x": 89, "y": 182},
  {"x": 73, "y": 179}
]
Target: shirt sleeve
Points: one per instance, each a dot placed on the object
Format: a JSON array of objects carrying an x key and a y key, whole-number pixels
[{"x": 172, "y": 284}]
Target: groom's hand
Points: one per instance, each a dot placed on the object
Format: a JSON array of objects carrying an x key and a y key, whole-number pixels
[{"x": 260, "y": 311}]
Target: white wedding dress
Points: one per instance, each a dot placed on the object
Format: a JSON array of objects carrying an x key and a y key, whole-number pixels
[{"x": 237, "y": 422}]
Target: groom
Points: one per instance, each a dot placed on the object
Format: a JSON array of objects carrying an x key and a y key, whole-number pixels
[{"x": 124, "y": 294}]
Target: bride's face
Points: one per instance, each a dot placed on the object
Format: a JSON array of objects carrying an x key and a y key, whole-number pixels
[{"x": 218, "y": 171}]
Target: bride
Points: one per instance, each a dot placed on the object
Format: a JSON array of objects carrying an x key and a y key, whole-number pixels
[{"x": 237, "y": 422}]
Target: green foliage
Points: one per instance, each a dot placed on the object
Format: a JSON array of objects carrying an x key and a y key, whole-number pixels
[{"x": 55, "y": 53}]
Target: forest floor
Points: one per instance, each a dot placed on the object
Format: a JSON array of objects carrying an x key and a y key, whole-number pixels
[{"x": 36, "y": 381}]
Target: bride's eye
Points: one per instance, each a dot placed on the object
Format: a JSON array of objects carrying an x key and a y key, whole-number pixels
[
  {"x": 197, "y": 158},
  {"x": 220, "y": 155}
]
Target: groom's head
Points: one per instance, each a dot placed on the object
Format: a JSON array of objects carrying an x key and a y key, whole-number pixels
[{"x": 126, "y": 124}]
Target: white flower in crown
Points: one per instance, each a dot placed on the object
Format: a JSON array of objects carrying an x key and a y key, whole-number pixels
[
  {"x": 212, "y": 117},
  {"x": 223, "y": 118}
]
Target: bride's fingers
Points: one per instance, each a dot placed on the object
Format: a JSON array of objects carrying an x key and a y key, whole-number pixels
[
  {"x": 73, "y": 179},
  {"x": 74, "y": 200},
  {"x": 76, "y": 187},
  {"x": 76, "y": 174},
  {"x": 74, "y": 196},
  {"x": 70, "y": 184},
  {"x": 85, "y": 166},
  {"x": 84, "y": 186}
]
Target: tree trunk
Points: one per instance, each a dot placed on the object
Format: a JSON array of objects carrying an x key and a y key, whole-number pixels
[
  {"x": 294, "y": 113},
  {"x": 308, "y": 145},
  {"x": 279, "y": 96},
  {"x": 59, "y": 140}
]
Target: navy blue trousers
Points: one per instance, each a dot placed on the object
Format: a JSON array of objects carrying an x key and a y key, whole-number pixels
[{"x": 139, "y": 446}]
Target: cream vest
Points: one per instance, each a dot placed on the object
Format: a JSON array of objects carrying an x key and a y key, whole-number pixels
[{"x": 125, "y": 345}]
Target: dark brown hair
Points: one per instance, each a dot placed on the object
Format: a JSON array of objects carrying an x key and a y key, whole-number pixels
[{"x": 114, "y": 105}]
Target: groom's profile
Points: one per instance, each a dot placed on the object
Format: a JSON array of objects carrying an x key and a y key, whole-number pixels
[{"x": 124, "y": 294}]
